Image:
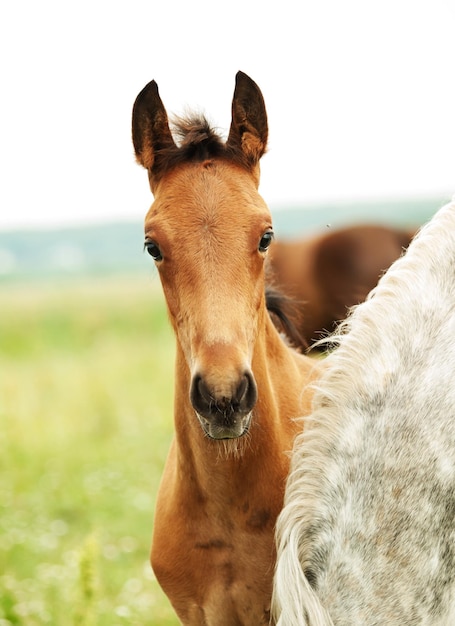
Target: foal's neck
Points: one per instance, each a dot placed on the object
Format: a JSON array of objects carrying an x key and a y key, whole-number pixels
[{"x": 281, "y": 376}]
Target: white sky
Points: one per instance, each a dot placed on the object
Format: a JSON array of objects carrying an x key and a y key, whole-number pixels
[{"x": 360, "y": 97}]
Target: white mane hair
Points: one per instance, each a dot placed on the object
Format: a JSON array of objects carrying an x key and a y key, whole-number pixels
[{"x": 367, "y": 533}]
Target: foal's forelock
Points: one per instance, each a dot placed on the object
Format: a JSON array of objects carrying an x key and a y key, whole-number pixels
[{"x": 197, "y": 141}]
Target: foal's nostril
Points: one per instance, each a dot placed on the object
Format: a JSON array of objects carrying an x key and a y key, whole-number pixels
[
  {"x": 200, "y": 396},
  {"x": 203, "y": 392},
  {"x": 242, "y": 390},
  {"x": 246, "y": 395}
]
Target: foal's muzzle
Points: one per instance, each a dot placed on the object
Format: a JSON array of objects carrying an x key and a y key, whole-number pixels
[{"x": 224, "y": 414}]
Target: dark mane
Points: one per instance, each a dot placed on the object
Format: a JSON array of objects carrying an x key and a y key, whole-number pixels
[
  {"x": 283, "y": 311},
  {"x": 196, "y": 140}
]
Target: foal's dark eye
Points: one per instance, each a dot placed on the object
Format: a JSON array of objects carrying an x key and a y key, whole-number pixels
[
  {"x": 153, "y": 250},
  {"x": 266, "y": 240}
]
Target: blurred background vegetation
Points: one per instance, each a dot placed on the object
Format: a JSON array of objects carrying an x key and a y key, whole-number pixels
[
  {"x": 86, "y": 368},
  {"x": 86, "y": 387}
]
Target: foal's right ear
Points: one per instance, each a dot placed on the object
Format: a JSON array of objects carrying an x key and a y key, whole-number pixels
[{"x": 150, "y": 124}]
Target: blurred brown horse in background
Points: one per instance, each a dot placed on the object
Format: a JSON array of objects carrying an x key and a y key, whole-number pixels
[{"x": 326, "y": 274}]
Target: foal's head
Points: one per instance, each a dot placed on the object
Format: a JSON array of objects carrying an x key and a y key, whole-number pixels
[{"x": 208, "y": 231}]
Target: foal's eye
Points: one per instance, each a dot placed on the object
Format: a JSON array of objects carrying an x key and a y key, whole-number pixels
[
  {"x": 153, "y": 249},
  {"x": 266, "y": 240}
]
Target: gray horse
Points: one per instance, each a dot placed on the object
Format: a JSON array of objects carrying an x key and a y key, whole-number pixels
[{"x": 367, "y": 533}]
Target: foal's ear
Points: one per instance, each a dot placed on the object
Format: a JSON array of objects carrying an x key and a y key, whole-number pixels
[
  {"x": 150, "y": 124},
  {"x": 249, "y": 128}
]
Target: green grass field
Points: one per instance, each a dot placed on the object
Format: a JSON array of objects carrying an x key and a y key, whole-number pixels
[{"x": 86, "y": 371}]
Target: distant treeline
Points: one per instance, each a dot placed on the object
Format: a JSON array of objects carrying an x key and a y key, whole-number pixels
[{"x": 118, "y": 247}]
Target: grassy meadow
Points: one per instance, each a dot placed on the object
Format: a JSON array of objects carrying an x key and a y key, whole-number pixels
[{"x": 86, "y": 370}]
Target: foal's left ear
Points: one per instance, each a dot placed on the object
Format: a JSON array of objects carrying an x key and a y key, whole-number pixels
[
  {"x": 249, "y": 129},
  {"x": 151, "y": 133}
]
